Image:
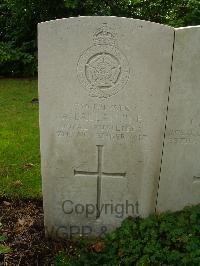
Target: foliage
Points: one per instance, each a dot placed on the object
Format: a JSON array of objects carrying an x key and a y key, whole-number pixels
[
  {"x": 3, "y": 248},
  {"x": 18, "y": 44},
  {"x": 165, "y": 239},
  {"x": 16, "y": 61},
  {"x": 19, "y": 139},
  {"x": 171, "y": 12},
  {"x": 19, "y": 18}
]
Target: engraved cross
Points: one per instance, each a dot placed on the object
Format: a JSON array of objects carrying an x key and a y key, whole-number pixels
[{"x": 99, "y": 174}]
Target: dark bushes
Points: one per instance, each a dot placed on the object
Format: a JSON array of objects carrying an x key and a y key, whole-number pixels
[{"x": 19, "y": 18}]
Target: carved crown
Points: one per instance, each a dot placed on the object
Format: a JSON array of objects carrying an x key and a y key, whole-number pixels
[{"x": 104, "y": 35}]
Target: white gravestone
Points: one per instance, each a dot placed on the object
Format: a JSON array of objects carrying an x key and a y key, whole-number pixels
[
  {"x": 180, "y": 171},
  {"x": 103, "y": 88}
]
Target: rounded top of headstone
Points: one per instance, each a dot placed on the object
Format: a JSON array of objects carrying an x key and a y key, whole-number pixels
[{"x": 105, "y": 18}]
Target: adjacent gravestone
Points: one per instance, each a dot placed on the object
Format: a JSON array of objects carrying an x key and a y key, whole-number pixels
[
  {"x": 103, "y": 87},
  {"x": 180, "y": 172}
]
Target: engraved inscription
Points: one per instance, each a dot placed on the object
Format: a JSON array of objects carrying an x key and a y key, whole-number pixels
[
  {"x": 184, "y": 136},
  {"x": 99, "y": 174},
  {"x": 103, "y": 122},
  {"x": 102, "y": 69}
]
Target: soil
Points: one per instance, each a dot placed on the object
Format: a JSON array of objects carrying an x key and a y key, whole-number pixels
[{"x": 22, "y": 223}]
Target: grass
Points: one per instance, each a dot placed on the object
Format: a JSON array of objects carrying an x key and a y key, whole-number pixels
[
  {"x": 19, "y": 139},
  {"x": 3, "y": 248}
]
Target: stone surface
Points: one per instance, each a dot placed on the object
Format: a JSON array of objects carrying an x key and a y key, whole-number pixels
[
  {"x": 103, "y": 88},
  {"x": 180, "y": 172}
]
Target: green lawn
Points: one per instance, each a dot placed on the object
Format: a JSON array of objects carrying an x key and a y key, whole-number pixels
[{"x": 19, "y": 139}]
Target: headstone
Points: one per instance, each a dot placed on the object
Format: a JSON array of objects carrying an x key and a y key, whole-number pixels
[
  {"x": 180, "y": 171},
  {"x": 103, "y": 87}
]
